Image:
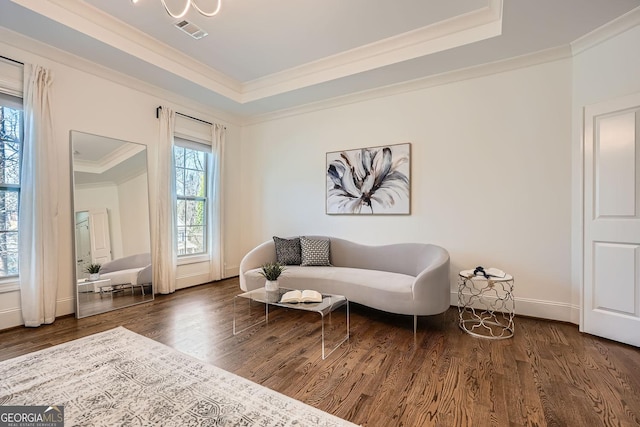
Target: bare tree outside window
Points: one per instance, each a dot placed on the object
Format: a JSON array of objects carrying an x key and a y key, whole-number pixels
[
  {"x": 10, "y": 149},
  {"x": 191, "y": 203}
]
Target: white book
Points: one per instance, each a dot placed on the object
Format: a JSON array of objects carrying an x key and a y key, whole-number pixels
[
  {"x": 494, "y": 272},
  {"x": 295, "y": 297}
]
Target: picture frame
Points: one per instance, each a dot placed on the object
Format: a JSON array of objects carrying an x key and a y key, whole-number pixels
[{"x": 369, "y": 181}]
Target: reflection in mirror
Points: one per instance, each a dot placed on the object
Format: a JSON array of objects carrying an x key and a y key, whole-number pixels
[{"x": 111, "y": 223}]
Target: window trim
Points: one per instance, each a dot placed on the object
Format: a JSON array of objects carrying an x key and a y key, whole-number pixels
[
  {"x": 9, "y": 284},
  {"x": 12, "y": 283},
  {"x": 193, "y": 258}
]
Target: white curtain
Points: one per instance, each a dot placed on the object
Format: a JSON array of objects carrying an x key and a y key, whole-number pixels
[
  {"x": 218, "y": 134},
  {"x": 38, "y": 218},
  {"x": 164, "y": 256}
]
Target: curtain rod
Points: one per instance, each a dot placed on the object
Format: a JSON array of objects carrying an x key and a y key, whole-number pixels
[
  {"x": 185, "y": 115},
  {"x": 12, "y": 60}
]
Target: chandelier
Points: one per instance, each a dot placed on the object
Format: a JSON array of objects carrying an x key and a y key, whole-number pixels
[{"x": 187, "y": 6}]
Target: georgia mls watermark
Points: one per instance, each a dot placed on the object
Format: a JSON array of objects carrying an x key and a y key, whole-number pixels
[{"x": 31, "y": 416}]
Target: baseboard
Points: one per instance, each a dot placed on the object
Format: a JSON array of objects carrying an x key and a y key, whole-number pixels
[
  {"x": 12, "y": 317},
  {"x": 66, "y": 306},
  {"x": 542, "y": 309}
]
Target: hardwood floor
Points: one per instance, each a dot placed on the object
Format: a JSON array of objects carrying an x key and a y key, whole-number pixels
[{"x": 549, "y": 374}]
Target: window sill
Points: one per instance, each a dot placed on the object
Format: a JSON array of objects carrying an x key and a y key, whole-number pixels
[
  {"x": 11, "y": 284},
  {"x": 193, "y": 259}
]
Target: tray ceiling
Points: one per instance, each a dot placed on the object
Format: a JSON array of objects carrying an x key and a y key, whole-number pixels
[{"x": 262, "y": 56}]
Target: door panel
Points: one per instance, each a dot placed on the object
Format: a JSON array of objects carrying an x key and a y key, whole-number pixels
[
  {"x": 616, "y": 165},
  {"x": 100, "y": 240},
  {"x": 615, "y": 277},
  {"x": 611, "y": 288}
]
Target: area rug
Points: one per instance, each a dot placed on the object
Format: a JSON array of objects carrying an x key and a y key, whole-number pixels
[{"x": 120, "y": 378}]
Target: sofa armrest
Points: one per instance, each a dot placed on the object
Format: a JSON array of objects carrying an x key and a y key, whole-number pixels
[
  {"x": 262, "y": 254},
  {"x": 144, "y": 276},
  {"x": 432, "y": 288}
]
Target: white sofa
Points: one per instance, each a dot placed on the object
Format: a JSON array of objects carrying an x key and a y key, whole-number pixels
[
  {"x": 128, "y": 271},
  {"x": 405, "y": 278}
]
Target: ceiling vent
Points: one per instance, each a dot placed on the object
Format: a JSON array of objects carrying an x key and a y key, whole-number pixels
[{"x": 192, "y": 29}]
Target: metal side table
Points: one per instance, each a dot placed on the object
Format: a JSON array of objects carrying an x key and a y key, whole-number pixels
[{"x": 486, "y": 305}]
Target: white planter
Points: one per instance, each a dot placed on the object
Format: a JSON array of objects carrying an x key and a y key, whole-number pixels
[
  {"x": 94, "y": 276},
  {"x": 271, "y": 285}
]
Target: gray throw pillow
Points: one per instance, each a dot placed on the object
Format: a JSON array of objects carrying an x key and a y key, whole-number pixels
[
  {"x": 287, "y": 250},
  {"x": 315, "y": 251}
]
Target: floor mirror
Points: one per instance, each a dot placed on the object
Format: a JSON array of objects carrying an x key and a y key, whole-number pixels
[{"x": 110, "y": 206}]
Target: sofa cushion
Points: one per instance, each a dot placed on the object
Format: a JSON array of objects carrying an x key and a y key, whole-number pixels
[
  {"x": 122, "y": 277},
  {"x": 380, "y": 289},
  {"x": 288, "y": 251},
  {"x": 314, "y": 251}
]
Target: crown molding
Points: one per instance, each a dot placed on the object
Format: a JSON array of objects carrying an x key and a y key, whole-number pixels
[
  {"x": 93, "y": 22},
  {"x": 23, "y": 44},
  {"x": 540, "y": 57},
  {"x": 109, "y": 161},
  {"x": 607, "y": 31},
  {"x": 471, "y": 27},
  {"x": 480, "y": 24}
]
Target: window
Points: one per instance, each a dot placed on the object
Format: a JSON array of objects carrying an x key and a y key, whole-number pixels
[
  {"x": 191, "y": 197},
  {"x": 10, "y": 156}
]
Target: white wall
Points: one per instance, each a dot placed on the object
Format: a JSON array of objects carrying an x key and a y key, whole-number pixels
[
  {"x": 93, "y": 197},
  {"x": 603, "y": 69},
  {"x": 127, "y": 205},
  {"x": 491, "y": 176},
  {"x": 134, "y": 215},
  {"x": 85, "y": 102}
]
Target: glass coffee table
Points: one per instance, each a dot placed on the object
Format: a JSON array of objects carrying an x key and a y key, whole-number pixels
[{"x": 252, "y": 308}]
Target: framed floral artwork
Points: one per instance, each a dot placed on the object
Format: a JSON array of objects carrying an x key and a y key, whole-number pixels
[{"x": 369, "y": 181}]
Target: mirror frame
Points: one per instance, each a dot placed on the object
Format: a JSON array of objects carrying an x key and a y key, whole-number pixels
[{"x": 73, "y": 184}]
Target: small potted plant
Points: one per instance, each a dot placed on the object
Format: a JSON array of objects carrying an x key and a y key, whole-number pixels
[
  {"x": 271, "y": 271},
  {"x": 94, "y": 271}
]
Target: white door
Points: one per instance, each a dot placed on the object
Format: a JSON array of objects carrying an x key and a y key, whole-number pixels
[
  {"x": 100, "y": 239},
  {"x": 611, "y": 288}
]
